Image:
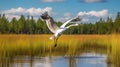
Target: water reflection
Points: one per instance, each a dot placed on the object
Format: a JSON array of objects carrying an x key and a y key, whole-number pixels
[
  {"x": 31, "y": 62},
  {"x": 92, "y": 60},
  {"x": 84, "y": 60},
  {"x": 83, "y": 57}
]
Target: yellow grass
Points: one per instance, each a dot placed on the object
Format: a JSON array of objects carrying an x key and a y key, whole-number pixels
[{"x": 13, "y": 45}]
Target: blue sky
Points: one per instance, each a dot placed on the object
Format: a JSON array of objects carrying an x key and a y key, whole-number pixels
[{"x": 61, "y": 10}]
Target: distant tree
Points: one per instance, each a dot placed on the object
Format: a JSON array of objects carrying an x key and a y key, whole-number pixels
[
  {"x": 117, "y": 23},
  {"x": 100, "y": 25},
  {"x": 109, "y": 24},
  {"x": 22, "y": 25},
  {"x": 32, "y": 25},
  {"x": 39, "y": 26},
  {"x": 28, "y": 25},
  {"x": 3, "y": 24},
  {"x": 59, "y": 23},
  {"x": 13, "y": 26}
]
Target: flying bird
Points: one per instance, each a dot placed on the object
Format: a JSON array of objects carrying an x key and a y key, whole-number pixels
[{"x": 57, "y": 31}]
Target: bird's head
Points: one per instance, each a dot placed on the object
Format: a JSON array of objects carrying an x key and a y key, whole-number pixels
[{"x": 45, "y": 15}]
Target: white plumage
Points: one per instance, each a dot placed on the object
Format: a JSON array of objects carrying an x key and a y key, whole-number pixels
[{"x": 54, "y": 28}]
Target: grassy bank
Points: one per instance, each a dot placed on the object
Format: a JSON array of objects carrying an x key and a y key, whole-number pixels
[
  {"x": 22, "y": 44},
  {"x": 15, "y": 45}
]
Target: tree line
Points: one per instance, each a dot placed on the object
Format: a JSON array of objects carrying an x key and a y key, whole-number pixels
[{"x": 30, "y": 26}]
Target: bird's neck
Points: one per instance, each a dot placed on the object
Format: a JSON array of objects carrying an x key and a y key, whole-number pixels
[
  {"x": 48, "y": 22},
  {"x": 50, "y": 25}
]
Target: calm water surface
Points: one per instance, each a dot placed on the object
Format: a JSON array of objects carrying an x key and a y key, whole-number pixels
[{"x": 84, "y": 60}]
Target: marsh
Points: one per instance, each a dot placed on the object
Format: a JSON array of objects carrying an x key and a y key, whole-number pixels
[{"x": 72, "y": 51}]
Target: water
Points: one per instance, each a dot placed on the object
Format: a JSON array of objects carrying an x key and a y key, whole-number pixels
[
  {"x": 84, "y": 56},
  {"x": 83, "y": 60}
]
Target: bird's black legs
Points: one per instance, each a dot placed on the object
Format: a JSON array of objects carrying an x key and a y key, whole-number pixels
[
  {"x": 55, "y": 41},
  {"x": 55, "y": 44}
]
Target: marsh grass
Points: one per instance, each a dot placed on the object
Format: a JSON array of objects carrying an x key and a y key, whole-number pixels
[{"x": 40, "y": 45}]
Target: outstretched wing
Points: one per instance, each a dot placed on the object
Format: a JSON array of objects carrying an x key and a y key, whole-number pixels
[
  {"x": 63, "y": 25},
  {"x": 71, "y": 20},
  {"x": 76, "y": 19}
]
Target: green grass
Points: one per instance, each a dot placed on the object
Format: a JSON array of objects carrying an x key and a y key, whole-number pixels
[{"x": 40, "y": 45}]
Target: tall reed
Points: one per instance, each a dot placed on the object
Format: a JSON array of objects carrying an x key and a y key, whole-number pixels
[{"x": 17, "y": 45}]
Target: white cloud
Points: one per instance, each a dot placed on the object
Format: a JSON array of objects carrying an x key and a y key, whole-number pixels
[
  {"x": 67, "y": 14},
  {"x": 93, "y": 16},
  {"x": 16, "y": 12},
  {"x": 62, "y": 19},
  {"x": 52, "y": 0},
  {"x": 101, "y": 13},
  {"x": 87, "y": 17},
  {"x": 92, "y": 1}
]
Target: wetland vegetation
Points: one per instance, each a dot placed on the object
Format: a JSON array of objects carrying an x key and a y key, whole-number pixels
[{"x": 68, "y": 45}]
